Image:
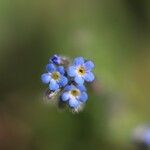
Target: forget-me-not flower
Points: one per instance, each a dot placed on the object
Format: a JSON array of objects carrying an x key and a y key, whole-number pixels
[
  {"x": 54, "y": 77},
  {"x": 81, "y": 70},
  {"x": 141, "y": 134},
  {"x": 56, "y": 59},
  {"x": 74, "y": 95},
  {"x": 66, "y": 81}
]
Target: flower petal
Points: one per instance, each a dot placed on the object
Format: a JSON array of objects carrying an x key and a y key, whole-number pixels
[
  {"x": 45, "y": 78},
  {"x": 81, "y": 88},
  {"x": 65, "y": 96},
  {"x": 78, "y": 61},
  {"x": 89, "y": 65},
  {"x": 79, "y": 80},
  {"x": 89, "y": 77},
  {"x": 53, "y": 85},
  {"x": 63, "y": 81},
  {"x": 73, "y": 103},
  {"x": 69, "y": 87},
  {"x": 50, "y": 67},
  {"x": 71, "y": 71},
  {"x": 83, "y": 97},
  {"x": 61, "y": 70}
]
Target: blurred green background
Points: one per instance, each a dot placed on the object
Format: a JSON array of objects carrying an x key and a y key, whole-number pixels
[{"x": 113, "y": 33}]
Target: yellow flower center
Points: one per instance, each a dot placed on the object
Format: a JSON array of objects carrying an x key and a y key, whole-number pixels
[
  {"x": 81, "y": 70},
  {"x": 75, "y": 92},
  {"x": 55, "y": 75}
]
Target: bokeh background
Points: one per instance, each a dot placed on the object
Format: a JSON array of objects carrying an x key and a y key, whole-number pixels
[{"x": 113, "y": 33}]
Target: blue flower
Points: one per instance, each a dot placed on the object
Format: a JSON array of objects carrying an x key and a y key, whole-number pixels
[
  {"x": 74, "y": 95},
  {"x": 141, "y": 134},
  {"x": 55, "y": 77},
  {"x": 56, "y": 59},
  {"x": 146, "y": 137},
  {"x": 81, "y": 70}
]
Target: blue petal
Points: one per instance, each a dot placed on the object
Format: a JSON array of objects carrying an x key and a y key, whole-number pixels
[
  {"x": 78, "y": 61},
  {"x": 81, "y": 88},
  {"x": 71, "y": 71},
  {"x": 65, "y": 96},
  {"x": 50, "y": 68},
  {"x": 61, "y": 70},
  {"x": 63, "y": 81},
  {"x": 89, "y": 65},
  {"x": 83, "y": 97},
  {"x": 69, "y": 87},
  {"x": 53, "y": 85},
  {"x": 74, "y": 103},
  {"x": 79, "y": 80},
  {"x": 45, "y": 78},
  {"x": 89, "y": 77}
]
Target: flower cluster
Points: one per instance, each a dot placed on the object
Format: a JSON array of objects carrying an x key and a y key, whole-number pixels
[{"x": 67, "y": 80}]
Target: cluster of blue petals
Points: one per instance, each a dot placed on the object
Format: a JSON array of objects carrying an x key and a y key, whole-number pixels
[
  {"x": 54, "y": 83},
  {"x": 74, "y": 101},
  {"x": 69, "y": 80},
  {"x": 87, "y": 67}
]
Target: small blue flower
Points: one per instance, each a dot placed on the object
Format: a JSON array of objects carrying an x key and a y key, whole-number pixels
[
  {"x": 81, "y": 70},
  {"x": 146, "y": 137},
  {"x": 56, "y": 59},
  {"x": 55, "y": 77},
  {"x": 74, "y": 95},
  {"x": 141, "y": 134}
]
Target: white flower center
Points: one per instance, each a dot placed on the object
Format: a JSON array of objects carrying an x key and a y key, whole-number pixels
[
  {"x": 81, "y": 70},
  {"x": 75, "y": 92},
  {"x": 55, "y": 75}
]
